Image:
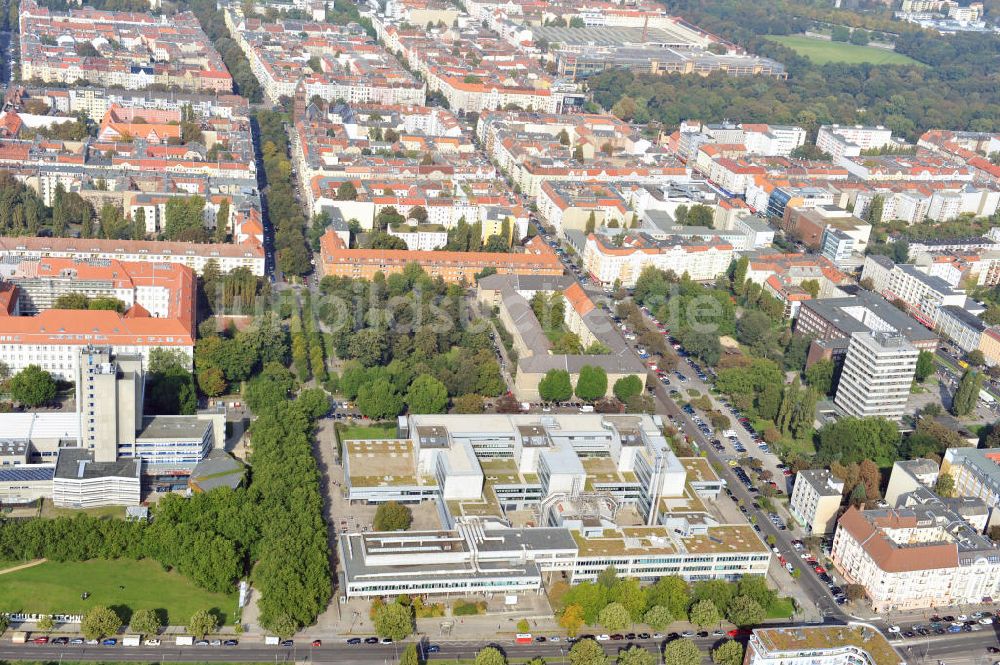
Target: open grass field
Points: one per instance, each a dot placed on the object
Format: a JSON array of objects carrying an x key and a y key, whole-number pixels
[
  {"x": 822, "y": 52},
  {"x": 783, "y": 608},
  {"x": 123, "y": 585}
]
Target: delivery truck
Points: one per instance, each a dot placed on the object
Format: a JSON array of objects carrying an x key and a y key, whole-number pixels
[
  {"x": 20, "y": 637},
  {"x": 132, "y": 640},
  {"x": 272, "y": 640},
  {"x": 185, "y": 641}
]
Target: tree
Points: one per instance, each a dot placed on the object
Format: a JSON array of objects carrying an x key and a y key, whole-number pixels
[
  {"x": 681, "y": 652},
  {"x": 100, "y": 621},
  {"x": 410, "y": 655},
  {"x": 658, "y": 617},
  {"x": 591, "y": 223},
  {"x": 394, "y": 621},
  {"x": 346, "y": 191},
  {"x": 964, "y": 400},
  {"x": 592, "y": 383},
  {"x": 379, "y": 400},
  {"x": 184, "y": 217},
  {"x": 729, "y": 652},
  {"x": 700, "y": 215},
  {"x": 72, "y": 300},
  {"x": 45, "y": 623},
  {"x": 614, "y": 617},
  {"x": 945, "y": 486},
  {"x": 555, "y": 386},
  {"x": 145, "y": 622},
  {"x": 976, "y": 358},
  {"x": 752, "y": 327},
  {"x": 392, "y": 516},
  {"x": 212, "y": 381},
  {"x": 572, "y": 619},
  {"x": 840, "y": 33},
  {"x": 635, "y": 655},
  {"x": 32, "y": 386},
  {"x": 819, "y": 376},
  {"x": 704, "y": 613},
  {"x": 627, "y": 386},
  {"x": 426, "y": 395},
  {"x": 470, "y": 403},
  {"x": 755, "y": 587},
  {"x": 874, "y": 213},
  {"x": 587, "y": 652},
  {"x": 202, "y": 623},
  {"x": 523, "y": 626},
  {"x": 850, "y": 440},
  {"x": 671, "y": 592},
  {"x": 745, "y": 611},
  {"x": 925, "y": 365},
  {"x": 490, "y": 656}
]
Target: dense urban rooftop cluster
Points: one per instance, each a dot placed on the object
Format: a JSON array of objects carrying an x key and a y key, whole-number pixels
[{"x": 118, "y": 49}]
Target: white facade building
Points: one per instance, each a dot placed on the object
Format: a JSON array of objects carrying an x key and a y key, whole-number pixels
[{"x": 877, "y": 375}]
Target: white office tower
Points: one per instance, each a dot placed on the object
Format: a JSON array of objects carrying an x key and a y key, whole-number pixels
[{"x": 878, "y": 372}]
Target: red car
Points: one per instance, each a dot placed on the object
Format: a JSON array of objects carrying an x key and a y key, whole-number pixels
[
  {"x": 819, "y": 570},
  {"x": 317, "y": 643},
  {"x": 41, "y": 640}
]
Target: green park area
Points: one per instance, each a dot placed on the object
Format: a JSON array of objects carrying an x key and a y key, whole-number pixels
[
  {"x": 821, "y": 51},
  {"x": 123, "y": 584}
]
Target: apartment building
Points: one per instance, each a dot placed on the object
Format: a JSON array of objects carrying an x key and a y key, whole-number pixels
[
  {"x": 976, "y": 472},
  {"x": 453, "y": 267},
  {"x": 196, "y": 256},
  {"x": 923, "y": 294},
  {"x": 843, "y": 141},
  {"x": 161, "y": 314},
  {"x": 829, "y": 645},
  {"x": 131, "y": 49},
  {"x": 815, "y": 501},
  {"x": 836, "y": 320},
  {"x": 919, "y": 556},
  {"x": 601, "y": 490},
  {"x": 571, "y": 205},
  {"x": 511, "y": 296},
  {"x": 610, "y": 263},
  {"x": 531, "y": 148},
  {"x": 961, "y": 326},
  {"x": 350, "y": 66},
  {"x": 888, "y": 168},
  {"x": 877, "y": 375}
]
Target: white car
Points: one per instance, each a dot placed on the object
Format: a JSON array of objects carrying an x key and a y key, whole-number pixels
[
  {"x": 893, "y": 629},
  {"x": 152, "y": 643},
  {"x": 603, "y": 638},
  {"x": 961, "y": 617},
  {"x": 986, "y": 621}
]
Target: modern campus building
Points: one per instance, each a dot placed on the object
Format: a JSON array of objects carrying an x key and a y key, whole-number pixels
[
  {"x": 820, "y": 645},
  {"x": 101, "y": 453},
  {"x": 521, "y": 497},
  {"x": 816, "y": 500},
  {"x": 877, "y": 375}
]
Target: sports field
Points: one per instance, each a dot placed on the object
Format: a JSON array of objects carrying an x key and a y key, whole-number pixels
[
  {"x": 822, "y": 52},
  {"x": 123, "y": 585}
]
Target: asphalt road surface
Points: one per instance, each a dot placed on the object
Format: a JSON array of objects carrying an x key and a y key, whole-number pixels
[{"x": 338, "y": 651}]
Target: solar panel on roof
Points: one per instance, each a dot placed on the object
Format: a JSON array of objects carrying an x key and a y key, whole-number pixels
[{"x": 21, "y": 474}]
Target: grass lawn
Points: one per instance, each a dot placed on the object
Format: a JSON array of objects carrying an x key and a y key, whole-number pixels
[
  {"x": 124, "y": 585},
  {"x": 782, "y": 608},
  {"x": 106, "y": 512},
  {"x": 822, "y": 52},
  {"x": 376, "y": 431}
]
